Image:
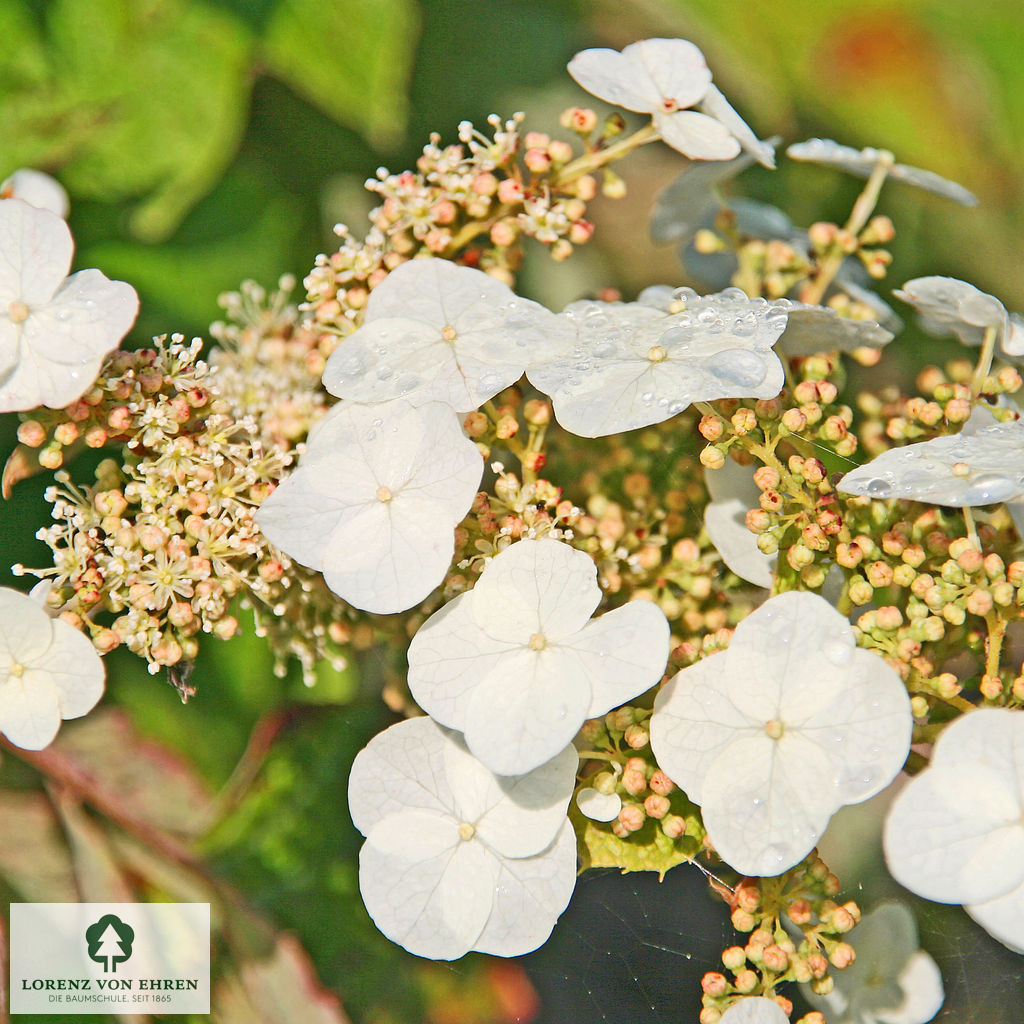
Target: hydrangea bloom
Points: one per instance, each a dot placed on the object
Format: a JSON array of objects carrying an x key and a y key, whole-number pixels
[
  {"x": 892, "y": 981},
  {"x": 48, "y": 671},
  {"x": 664, "y": 77},
  {"x": 518, "y": 665},
  {"x": 861, "y": 162},
  {"x": 375, "y": 500},
  {"x": 455, "y": 857},
  {"x": 757, "y": 1010},
  {"x": 634, "y": 365},
  {"x": 434, "y": 331},
  {"x": 733, "y": 493},
  {"x": 36, "y": 189},
  {"x": 978, "y": 468},
  {"x": 956, "y": 832},
  {"x": 54, "y": 329},
  {"x": 774, "y": 735},
  {"x": 949, "y": 306}
]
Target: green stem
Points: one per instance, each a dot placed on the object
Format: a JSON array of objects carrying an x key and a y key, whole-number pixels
[
  {"x": 601, "y": 157},
  {"x": 988, "y": 347}
]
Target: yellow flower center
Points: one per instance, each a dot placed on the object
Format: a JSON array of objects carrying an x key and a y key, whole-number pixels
[
  {"x": 538, "y": 642},
  {"x": 466, "y": 831},
  {"x": 774, "y": 728},
  {"x": 384, "y": 494},
  {"x": 18, "y": 312},
  {"x": 449, "y": 333},
  {"x": 657, "y": 354},
  {"x": 17, "y": 669}
]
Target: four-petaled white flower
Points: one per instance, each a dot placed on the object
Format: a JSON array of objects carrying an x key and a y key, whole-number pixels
[
  {"x": 861, "y": 163},
  {"x": 978, "y": 468},
  {"x": 955, "y": 834},
  {"x": 36, "y": 189},
  {"x": 517, "y": 663},
  {"x": 950, "y": 306},
  {"x": 634, "y": 364},
  {"x": 375, "y": 500},
  {"x": 755, "y": 1010},
  {"x": 892, "y": 981},
  {"x": 733, "y": 493},
  {"x": 455, "y": 857},
  {"x": 663, "y": 78},
  {"x": 54, "y": 329},
  {"x": 774, "y": 735},
  {"x": 434, "y": 331},
  {"x": 48, "y": 671}
]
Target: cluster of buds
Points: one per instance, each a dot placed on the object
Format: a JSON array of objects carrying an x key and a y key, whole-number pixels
[
  {"x": 472, "y": 201},
  {"x": 797, "y": 932}
]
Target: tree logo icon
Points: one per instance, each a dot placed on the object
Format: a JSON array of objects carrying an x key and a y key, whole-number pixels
[{"x": 110, "y": 942}]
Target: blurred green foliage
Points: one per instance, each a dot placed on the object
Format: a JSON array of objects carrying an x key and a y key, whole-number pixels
[{"x": 206, "y": 141}]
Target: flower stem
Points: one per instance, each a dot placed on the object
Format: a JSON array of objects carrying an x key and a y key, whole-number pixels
[
  {"x": 988, "y": 347},
  {"x": 600, "y": 157}
]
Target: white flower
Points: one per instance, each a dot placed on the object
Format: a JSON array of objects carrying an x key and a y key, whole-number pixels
[
  {"x": 774, "y": 735},
  {"x": 755, "y": 1010},
  {"x": 733, "y": 493},
  {"x": 979, "y": 468},
  {"x": 434, "y": 331},
  {"x": 663, "y": 77},
  {"x": 36, "y": 189},
  {"x": 456, "y": 858},
  {"x": 861, "y": 162},
  {"x": 950, "y": 306},
  {"x": 812, "y": 329},
  {"x": 375, "y": 500},
  {"x": 892, "y": 981},
  {"x": 634, "y": 365},
  {"x": 54, "y": 330},
  {"x": 956, "y": 832},
  {"x": 48, "y": 671},
  {"x": 598, "y": 806},
  {"x": 518, "y": 665}
]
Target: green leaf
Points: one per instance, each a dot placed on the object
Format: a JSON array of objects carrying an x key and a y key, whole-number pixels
[
  {"x": 147, "y": 99},
  {"x": 352, "y": 58}
]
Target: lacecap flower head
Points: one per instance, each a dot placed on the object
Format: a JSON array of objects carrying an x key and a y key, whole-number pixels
[
  {"x": 54, "y": 329},
  {"x": 375, "y": 500},
  {"x": 455, "y": 857},
  {"x": 775, "y": 734},
  {"x": 48, "y": 671},
  {"x": 518, "y": 664},
  {"x": 663, "y": 78}
]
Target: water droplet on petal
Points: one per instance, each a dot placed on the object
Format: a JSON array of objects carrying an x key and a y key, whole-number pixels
[
  {"x": 738, "y": 366},
  {"x": 838, "y": 653},
  {"x": 987, "y": 488},
  {"x": 878, "y": 488}
]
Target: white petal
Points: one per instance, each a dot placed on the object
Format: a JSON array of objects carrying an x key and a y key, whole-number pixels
[
  {"x": 536, "y": 586},
  {"x": 921, "y": 982},
  {"x": 813, "y": 329},
  {"x": 766, "y": 802},
  {"x": 75, "y": 668},
  {"x": 718, "y": 107},
  {"x": 696, "y": 135},
  {"x": 1002, "y": 918},
  {"x": 36, "y": 189},
  {"x": 694, "y": 722},
  {"x": 757, "y": 1010},
  {"x": 598, "y": 806},
  {"x": 400, "y": 768},
  {"x": 955, "y": 835},
  {"x": 993, "y": 457},
  {"x": 29, "y": 710},
  {"x": 26, "y": 631},
  {"x": 644, "y": 74},
  {"x": 524, "y": 813},
  {"x": 623, "y": 653},
  {"x": 36, "y": 247},
  {"x": 953, "y": 304},
  {"x": 526, "y": 710},
  {"x": 988, "y": 736},
  {"x": 866, "y": 731},
  {"x": 448, "y": 657},
  {"x": 733, "y": 493},
  {"x": 424, "y": 887},
  {"x": 529, "y": 896}
]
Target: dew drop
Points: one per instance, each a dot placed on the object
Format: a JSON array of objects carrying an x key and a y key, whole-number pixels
[
  {"x": 738, "y": 366},
  {"x": 838, "y": 653},
  {"x": 878, "y": 488},
  {"x": 987, "y": 488}
]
